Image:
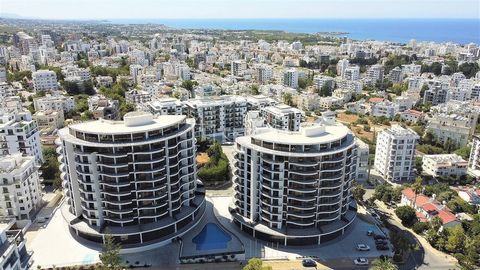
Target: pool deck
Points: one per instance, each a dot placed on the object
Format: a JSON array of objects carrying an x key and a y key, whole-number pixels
[{"x": 189, "y": 248}]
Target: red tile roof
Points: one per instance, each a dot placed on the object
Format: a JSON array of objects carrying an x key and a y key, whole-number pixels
[
  {"x": 446, "y": 216},
  {"x": 376, "y": 100}
]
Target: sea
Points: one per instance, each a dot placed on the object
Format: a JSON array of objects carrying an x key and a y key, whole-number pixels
[{"x": 462, "y": 31}]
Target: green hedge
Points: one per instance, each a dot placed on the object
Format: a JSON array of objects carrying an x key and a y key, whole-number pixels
[{"x": 216, "y": 168}]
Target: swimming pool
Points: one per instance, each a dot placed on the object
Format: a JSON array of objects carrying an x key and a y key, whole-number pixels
[{"x": 211, "y": 237}]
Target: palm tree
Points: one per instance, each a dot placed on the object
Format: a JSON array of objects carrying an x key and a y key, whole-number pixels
[
  {"x": 416, "y": 187},
  {"x": 383, "y": 264}
]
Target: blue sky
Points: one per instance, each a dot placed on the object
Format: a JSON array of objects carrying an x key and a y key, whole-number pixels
[{"x": 171, "y": 9}]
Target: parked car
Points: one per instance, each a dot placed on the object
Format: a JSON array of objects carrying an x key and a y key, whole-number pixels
[
  {"x": 381, "y": 241},
  {"x": 309, "y": 263},
  {"x": 360, "y": 261},
  {"x": 363, "y": 247},
  {"x": 382, "y": 247},
  {"x": 370, "y": 232},
  {"x": 379, "y": 236}
]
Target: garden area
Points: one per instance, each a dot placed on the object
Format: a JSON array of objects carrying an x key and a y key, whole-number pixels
[{"x": 213, "y": 164}]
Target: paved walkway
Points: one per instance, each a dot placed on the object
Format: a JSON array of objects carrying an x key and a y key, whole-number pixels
[{"x": 342, "y": 249}]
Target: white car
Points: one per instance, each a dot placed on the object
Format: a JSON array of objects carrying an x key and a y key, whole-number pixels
[
  {"x": 360, "y": 261},
  {"x": 363, "y": 247}
]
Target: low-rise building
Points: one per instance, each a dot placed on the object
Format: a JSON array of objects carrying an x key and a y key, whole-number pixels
[
  {"x": 412, "y": 116},
  {"x": 428, "y": 208},
  {"x": 136, "y": 97},
  {"x": 444, "y": 165},
  {"x": 49, "y": 120},
  {"x": 165, "y": 106},
  {"x": 57, "y": 103},
  {"x": 104, "y": 108}
]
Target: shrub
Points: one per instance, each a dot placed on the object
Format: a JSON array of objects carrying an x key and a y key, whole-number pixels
[{"x": 420, "y": 227}]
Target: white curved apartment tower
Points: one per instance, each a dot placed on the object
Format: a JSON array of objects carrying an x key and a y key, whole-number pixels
[
  {"x": 134, "y": 179},
  {"x": 293, "y": 188}
]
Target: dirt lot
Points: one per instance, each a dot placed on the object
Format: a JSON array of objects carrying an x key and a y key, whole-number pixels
[
  {"x": 202, "y": 158},
  {"x": 347, "y": 118}
]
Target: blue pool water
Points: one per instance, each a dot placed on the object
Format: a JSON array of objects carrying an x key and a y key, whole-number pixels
[{"x": 211, "y": 237}]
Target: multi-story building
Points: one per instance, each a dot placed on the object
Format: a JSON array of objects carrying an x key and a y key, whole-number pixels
[
  {"x": 363, "y": 150},
  {"x": 395, "y": 153},
  {"x": 165, "y": 106},
  {"x": 102, "y": 107},
  {"x": 444, "y": 165},
  {"x": 396, "y": 75},
  {"x": 135, "y": 72},
  {"x": 44, "y": 80},
  {"x": 474, "y": 160},
  {"x": 258, "y": 102},
  {"x": 453, "y": 127},
  {"x": 282, "y": 117},
  {"x": 135, "y": 96},
  {"x": 220, "y": 118},
  {"x": 290, "y": 78},
  {"x": 321, "y": 81},
  {"x": 20, "y": 189},
  {"x": 264, "y": 74},
  {"x": 385, "y": 108},
  {"x": 436, "y": 94},
  {"x": 49, "y": 120},
  {"x": 13, "y": 254},
  {"x": 24, "y": 42},
  {"x": 351, "y": 73},
  {"x": 57, "y": 103},
  {"x": 135, "y": 179},
  {"x": 294, "y": 188},
  {"x": 375, "y": 73},
  {"x": 19, "y": 134},
  {"x": 238, "y": 68},
  {"x": 341, "y": 66}
]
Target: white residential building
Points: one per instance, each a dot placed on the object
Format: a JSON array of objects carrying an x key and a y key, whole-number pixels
[
  {"x": 57, "y": 103},
  {"x": 453, "y": 127},
  {"x": 20, "y": 189},
  {"x": 376, "y": 73},
  {"x": 253, "y": 120},
  {"x": 282, "y": 117},
  {"x": 341, "y": 66},
  {"x": 385, "y": 108},
  {"x": 290, "y": 78},
  {"x": 395, "y": 153},
  {"x": 238, "y": 68},
  {"x": 218, "y": 118},
  {"x": 264, "y": 73},
  {"x": 49, "y": 120},
  {"x": 444, "y": 165},
  {"x": 44, "y": 80},
  {"x": 351, "y": 73},
  {"x": 134, "y": 179},
  {"x": 13, "y": 255},
  {"x": 165, "y": 106},
  {"x": 136, "y": 97},
  {"x": 362, "y": 171},
  {"x": 474, "y": 160},
  {"x": 294, "y": 188},
  {"x": 19, "y": 134}
]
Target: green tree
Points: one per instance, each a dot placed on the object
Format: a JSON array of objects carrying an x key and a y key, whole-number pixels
[
  {"x": 325, "y": 91},
  {"x": 254, "y": 89},
  {"x": 189, "y": 84},
  {"x": 418, "y": 164},
  {"x": 464, "y": 152},
  {"x": 407, "y": 215},
  {"x": 110, "y": 256},
  {"x": 287, "y": 99},
  {"x": 383, "y": 264},
  {"x": 420, "y": 227},
  {"x": 50, "y": 168},
  {"x": 358, "y": 192},
  {"x": 456, "y": 239}
]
